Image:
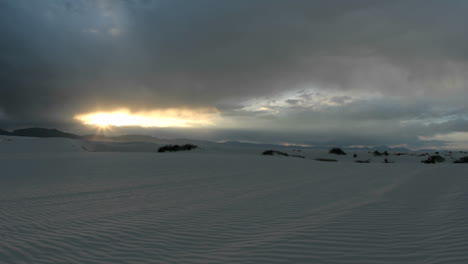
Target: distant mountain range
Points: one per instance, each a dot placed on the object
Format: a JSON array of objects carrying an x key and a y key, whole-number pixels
[
  {"x": 5, "y": 133},
  {"x": 379, "y": 148},
  {"x": 48, "y": 133},
  {"x": 324, "y": 147},
  {"x": 39, "y": 132}
]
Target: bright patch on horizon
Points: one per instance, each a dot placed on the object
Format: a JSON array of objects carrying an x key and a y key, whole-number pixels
[
  {"x": 172, "y": 117},
  {"x": 448, "y": 137}
]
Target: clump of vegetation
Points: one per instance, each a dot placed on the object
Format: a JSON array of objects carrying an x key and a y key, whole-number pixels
[
  {"x": 462, "y": 160},
  {"x": 337, "y": 151},
  {"x": 279, "y": 153},
  {"x": 377, "y": 153},
  {"x": 298, "y": 156},
  {"x": 274, "y": 153},
  {"x": 326, "y": 160},
  {"x": 172, "y": 148},
  {"x": 362, "y": 161},
  {"x": 434, "y": 159}
]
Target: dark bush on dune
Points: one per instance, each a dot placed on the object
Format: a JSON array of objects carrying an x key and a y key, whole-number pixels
[
  {"x": 326, "y": 160},
  {"x": 434, "y": 159},
  {"x": 298, "y": 156},
  {"x": 377, "y": 153},
  {"x": 362, "y": 161},
  {"x": 279, "y": 153},
  {"x": 462, "y": 160},
  {"x": 337, "y": 151},
  {"x": 274, "y": 153},
  {"x": 172, "y": 148}
]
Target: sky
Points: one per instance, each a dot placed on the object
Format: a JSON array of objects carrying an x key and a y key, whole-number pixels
[{"x": 309, "y": 72}]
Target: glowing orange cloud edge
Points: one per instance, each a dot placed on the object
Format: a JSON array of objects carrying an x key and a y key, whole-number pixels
[{"x": 171, "y": 117}]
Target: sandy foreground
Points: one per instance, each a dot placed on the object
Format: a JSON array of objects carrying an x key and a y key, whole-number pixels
[{"x": 62, "y": 204}]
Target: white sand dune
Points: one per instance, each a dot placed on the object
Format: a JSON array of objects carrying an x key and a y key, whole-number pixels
[{"x": 62, "y": 204}]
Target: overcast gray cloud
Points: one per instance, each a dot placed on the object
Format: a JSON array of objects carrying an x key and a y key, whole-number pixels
[{"x": 358, "y": 71}]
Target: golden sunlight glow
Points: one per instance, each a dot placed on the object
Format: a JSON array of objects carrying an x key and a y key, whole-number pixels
[{"x": 173, "y": 117}]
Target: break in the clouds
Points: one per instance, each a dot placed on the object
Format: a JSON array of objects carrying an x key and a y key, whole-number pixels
[{"x": 359, "y": 72}]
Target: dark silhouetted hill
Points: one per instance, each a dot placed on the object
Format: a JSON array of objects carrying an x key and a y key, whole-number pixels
[
  {"x": 42, "y": 132},
  {"x": 5, "y": 133},
  {"x": 122, "y": 138}
]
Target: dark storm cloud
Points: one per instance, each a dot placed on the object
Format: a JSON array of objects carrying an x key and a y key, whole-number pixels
[{"x": 59, "y": 57}]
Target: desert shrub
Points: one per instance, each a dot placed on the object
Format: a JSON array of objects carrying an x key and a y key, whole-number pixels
[
  {"x": 362, "y": 161},
  {"x": 337, "y": 151},
  {"x": 298, "y": 156},
  {"x": 326, "y": 160},
  {"x": 279, "y": 153},
  {"x": 462, "y": 160},
  {"x": 274, "y": 152},
  {"x": 172, "y": 148},
  {"x": 377, "y": 153},
  {"x": 434, "y": 159}
]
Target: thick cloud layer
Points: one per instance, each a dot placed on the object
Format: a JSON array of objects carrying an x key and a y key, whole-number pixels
[{"x": 358, "y": 71}]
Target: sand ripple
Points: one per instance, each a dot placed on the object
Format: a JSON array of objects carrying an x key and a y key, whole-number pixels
[{"x": 149, "y": 208}]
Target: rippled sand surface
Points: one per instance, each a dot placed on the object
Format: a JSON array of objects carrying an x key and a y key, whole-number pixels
[{"x": 82, "y": 207}]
